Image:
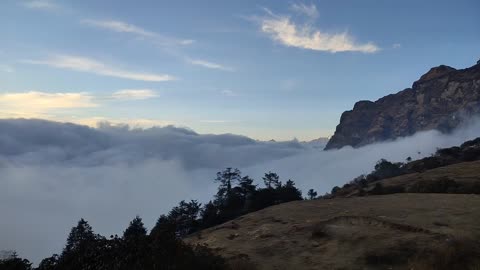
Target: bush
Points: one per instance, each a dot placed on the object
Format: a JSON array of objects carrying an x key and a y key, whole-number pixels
[
  {"x": 319, "y": 231},
  {"x": 442, "y": 185}
]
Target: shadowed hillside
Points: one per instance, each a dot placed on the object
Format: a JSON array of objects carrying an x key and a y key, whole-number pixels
[{"x": 375, "y": 232}]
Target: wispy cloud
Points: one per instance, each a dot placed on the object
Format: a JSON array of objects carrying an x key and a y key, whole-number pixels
[
  {"x": 214, "y": 121},
  {"x": 285, "y": 31},
  {"x": 228, "y": 93},
  {"x": 310, "y": 11},
  {"x": 396, "y": 46},
  {"x": 123, "y": 27},
  {"x": 40, "y": 4},
  {"x": 118, "y": 26},
  {"x": 84, "y": 64},
  {"x": 37, "y": 103},
  {"x": 208, "y": 64},
  {"x": 135, "y": 94}
]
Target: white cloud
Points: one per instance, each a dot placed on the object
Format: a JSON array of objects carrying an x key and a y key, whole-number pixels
[
  {"x": 207, "y": 64},
  {"x": 84, "y": 64},
  {"x": 35, "y": 103},
  {"x": 187, "y": 41},
  {"x": 134, "y": 94},
  {"x": 396, "y": 46},
  {"x": 214, "y": 121},
  {"x": 40, "y": 4},
  {"x": 310, "y": 11},
  {"x": 118, "y": 26},
  {"x": 123, "y": 27},
  {"x": 283, "y": 30},
  {"x": 228, "y": 93}
]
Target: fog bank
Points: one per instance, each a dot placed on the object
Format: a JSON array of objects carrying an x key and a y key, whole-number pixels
[{"x": 52, "y": 174}]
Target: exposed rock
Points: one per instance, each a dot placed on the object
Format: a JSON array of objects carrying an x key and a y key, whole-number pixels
[{"x": 441, "y": 99}]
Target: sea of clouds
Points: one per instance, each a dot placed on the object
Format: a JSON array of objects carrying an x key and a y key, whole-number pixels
[{"x": 52, "y": 174}]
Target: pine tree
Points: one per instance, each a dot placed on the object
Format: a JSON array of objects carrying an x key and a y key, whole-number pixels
[
  {"x": 209, "y": 215},
  {"x": 50, "y": 263},
  {"x": 13, "y": 262},
  {"x": 271, "y": 180},
  {"x": 246, "y": 186},
  {"x": 80, "y": 251},
  {"x": 134, "y": 249},
  {"x": 312, "y": 194},
  {"x": 79, "y": 237},
  {"x": 135, "y": 230},
  {"x": 185, "y": 216},
  {"x": 227, "y": 178}
]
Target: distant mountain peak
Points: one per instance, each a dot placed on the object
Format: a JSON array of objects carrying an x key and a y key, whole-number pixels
[{"x": 436, "y": 72}]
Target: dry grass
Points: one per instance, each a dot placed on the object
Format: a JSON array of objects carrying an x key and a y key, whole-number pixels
[
  {"x": 374, "y": 232},
  {"x": 397, "y": 231},
  {"x": 455, "y": 253},
  {"x": 241, "y": 264}
]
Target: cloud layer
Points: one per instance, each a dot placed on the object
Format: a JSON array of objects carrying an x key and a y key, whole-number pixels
[{"x": 55, "y": 173}]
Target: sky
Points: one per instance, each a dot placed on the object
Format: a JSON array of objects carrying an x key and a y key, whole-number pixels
[
  {"x": 263, "y": 69},
  {"x": 208, "y": 84}
]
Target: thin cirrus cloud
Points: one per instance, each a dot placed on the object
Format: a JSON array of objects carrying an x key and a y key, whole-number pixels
[
  {"x": 228, "y": 93},
  {"x": 40, "y": 4},
  {"x": 135, "y": 94},
  {"x": 118, "y": 26},
  {"x": 214, "y": 121},
  {"x": 37, "y": 103},
  {"x": 208, "y": 64},
  {"x": 84, "y": 64},
  {"x": 310, "y": 11},
  {"x": 285, "y": 31},
  {"x": 123, "y": 27}
]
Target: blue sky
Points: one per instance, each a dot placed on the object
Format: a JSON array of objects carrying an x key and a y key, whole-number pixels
[{"x": 265, "y": 69}]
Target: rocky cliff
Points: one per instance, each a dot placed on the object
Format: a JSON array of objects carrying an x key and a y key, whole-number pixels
[{"x": 441, "y": 99}]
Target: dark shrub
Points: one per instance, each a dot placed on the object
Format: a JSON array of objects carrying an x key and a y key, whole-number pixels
[
  {"x": 319, "y": 231},
  {"x": 442, "y": 185},
  {"x": 377, "y": 189}
]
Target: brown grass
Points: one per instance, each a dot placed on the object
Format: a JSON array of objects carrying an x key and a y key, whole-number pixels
[{"x": 454, "y": 253}]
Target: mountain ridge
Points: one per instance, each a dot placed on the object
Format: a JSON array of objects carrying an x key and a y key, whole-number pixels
[{"x": 440, "y": 99}]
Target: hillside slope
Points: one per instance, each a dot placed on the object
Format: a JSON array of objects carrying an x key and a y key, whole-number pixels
[
  {"x": 440, "y": 99},
  {"x": 370, "y": 232}
]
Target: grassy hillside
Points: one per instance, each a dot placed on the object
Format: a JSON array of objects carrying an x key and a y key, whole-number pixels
[{"x": 395, "y": 231}]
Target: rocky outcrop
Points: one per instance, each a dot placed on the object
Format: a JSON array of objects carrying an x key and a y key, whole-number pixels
[{"x": 441, "y": 99}]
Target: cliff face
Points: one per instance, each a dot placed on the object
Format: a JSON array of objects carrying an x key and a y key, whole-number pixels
[{"x": 440, "y": 100}]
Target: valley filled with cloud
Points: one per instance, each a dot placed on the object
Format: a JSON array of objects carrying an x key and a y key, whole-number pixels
[{"x": 55, "y": 173}]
